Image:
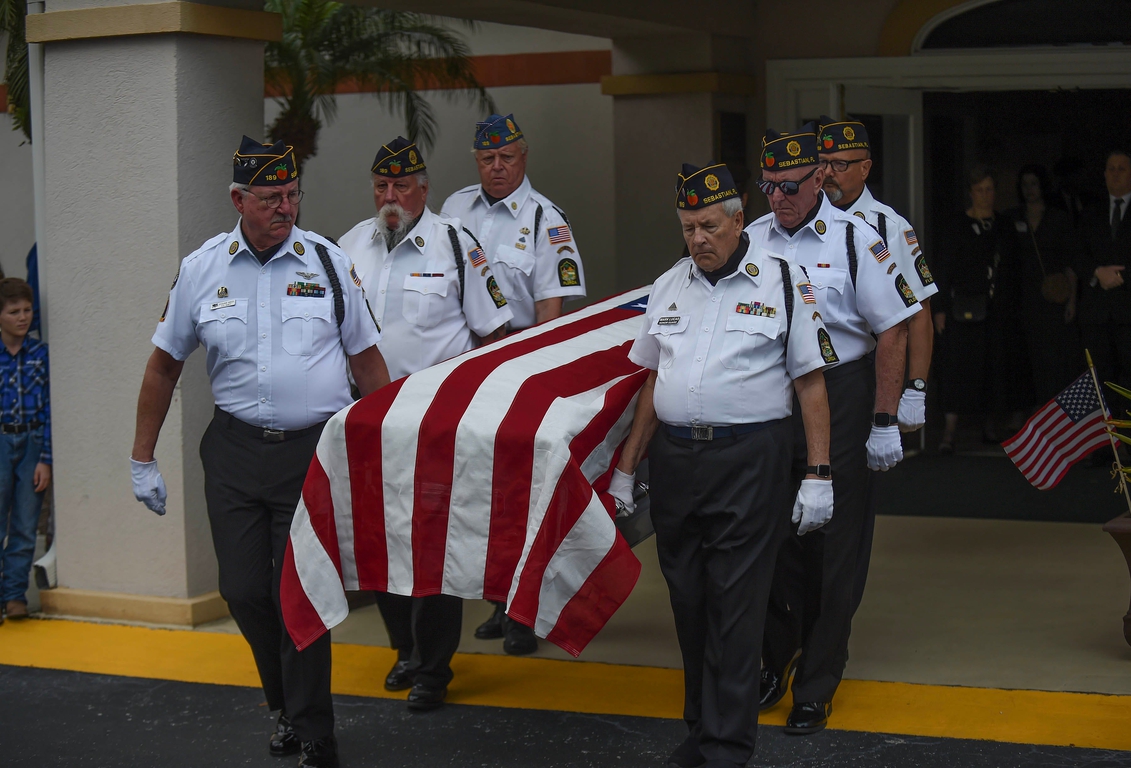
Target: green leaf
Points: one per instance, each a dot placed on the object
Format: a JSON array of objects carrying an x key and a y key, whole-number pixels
[
  {"x": 1122, "y": 438},
  {"x": 1116, "y": 388}
]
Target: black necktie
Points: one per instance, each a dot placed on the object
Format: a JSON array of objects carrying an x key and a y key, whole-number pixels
[{"x": 1116, "y": 217}]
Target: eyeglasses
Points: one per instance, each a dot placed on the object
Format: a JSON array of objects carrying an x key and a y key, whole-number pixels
[
  {"x": 787, "y": 187},
  {"x": 294, "y": 197},
  {"x": 840, "y": 166}
]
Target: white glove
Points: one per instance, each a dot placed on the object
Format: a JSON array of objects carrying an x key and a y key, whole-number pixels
[
  {"x": 149, "y": 486},
  {"x": 814, "y": 505},
  {"x": 885, "y": 448},
  {"x": 620, "y": 488},
  {"x": 912, "y": 412}
]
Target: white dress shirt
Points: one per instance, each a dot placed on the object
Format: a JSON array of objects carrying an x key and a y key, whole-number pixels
[
  {"x": 530, "y": 265},
  {"x": 415, "y": 291},
  {"x": 902, "y": 242},
  {"x": 275, "y": 354},
  {"x": 720, "y": 351},
  {"x": 881, "y": 297}
]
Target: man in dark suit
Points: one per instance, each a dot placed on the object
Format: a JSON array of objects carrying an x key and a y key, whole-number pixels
[{"x": 1105, "y": 296}]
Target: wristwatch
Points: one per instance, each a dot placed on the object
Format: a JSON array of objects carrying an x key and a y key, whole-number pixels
[
  {"x": 884, "y": 419},
  {"x": 823, "y": 471},
  {"x": 919, "y": 385}
]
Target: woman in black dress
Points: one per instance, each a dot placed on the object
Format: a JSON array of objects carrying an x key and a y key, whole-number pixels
[
  {"x": 968, "y": 310},
  {"x": 1046, "y": 249}
]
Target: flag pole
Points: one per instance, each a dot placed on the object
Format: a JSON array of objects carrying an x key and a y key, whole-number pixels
[{"x": 1110, "y": 433}]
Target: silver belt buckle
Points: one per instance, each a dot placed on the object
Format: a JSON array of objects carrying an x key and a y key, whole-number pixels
[
  {"x": 273, "y": 435},
  {"x": 702, "y": 433}
]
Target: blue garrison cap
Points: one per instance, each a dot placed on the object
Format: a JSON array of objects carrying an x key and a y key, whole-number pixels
[
  {"x": 840, "y": 135},
  {"x": 496, "y": 131},
  {"x": 700, "y": 187},
  {"x": 781, "y": 151},
  {"x": 264, "y": 165}
]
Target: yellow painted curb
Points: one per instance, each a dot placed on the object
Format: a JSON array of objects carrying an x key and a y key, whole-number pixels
[{"x": 1024, "y": 717}]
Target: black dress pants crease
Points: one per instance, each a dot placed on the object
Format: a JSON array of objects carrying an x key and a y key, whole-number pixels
[
  {"x": 425, "y": 631},
  {"x": 819, "y": 579},
  {"x": 252, "y": 489},
  {"x": 720, "y": 510}
]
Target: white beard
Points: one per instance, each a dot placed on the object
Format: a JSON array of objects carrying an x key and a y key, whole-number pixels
[
  {"x": 394, "y": 236},
  {"x": 835, "y": 194}
]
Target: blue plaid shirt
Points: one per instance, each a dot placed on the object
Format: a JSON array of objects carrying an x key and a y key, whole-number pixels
[{"x": 25, "y": 395}]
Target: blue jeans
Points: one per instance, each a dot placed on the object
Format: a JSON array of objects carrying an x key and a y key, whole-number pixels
[{"x": 19, "y": 510}]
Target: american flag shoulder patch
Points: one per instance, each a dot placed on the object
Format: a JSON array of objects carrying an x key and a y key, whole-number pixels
[
  {"x": 559, "y": 234},
  {"x": 910, "y": 236},
  {"x": 807, "y": 294},
  {"x": 879, "y": 249},
  {"x": 478, "y": 258}
]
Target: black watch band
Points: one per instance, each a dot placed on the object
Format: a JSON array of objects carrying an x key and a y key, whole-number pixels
[
  {"x": 919, "y": 385},
  {"x": 823, "y": 471},
  {"x": 884, "y": 419}
]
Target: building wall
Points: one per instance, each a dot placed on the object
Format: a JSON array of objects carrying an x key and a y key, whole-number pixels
[{"x": 17, "y": 209}]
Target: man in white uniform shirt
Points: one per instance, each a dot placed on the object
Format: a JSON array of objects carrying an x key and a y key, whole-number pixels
[
  {"x": 279, "y": 318},
  {"x": 531, "y": 247},
  {"x": 865, "y": 302},
  {"x": 731, "y": 333},
  {"x": 434, "y": 296}
]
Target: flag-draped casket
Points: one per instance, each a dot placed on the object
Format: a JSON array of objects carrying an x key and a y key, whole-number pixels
[{"x": 481, "y": 477}]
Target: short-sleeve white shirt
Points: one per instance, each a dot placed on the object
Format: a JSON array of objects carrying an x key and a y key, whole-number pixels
[
  {"x": 415, "y": 291},
  {"x": 902, "y": 242},
  {"x": 275, "y": 354},
  {"x": 531, "y": 264},
  {"x": 881, "y": 297},
  {"x": 720, "y": 351}
]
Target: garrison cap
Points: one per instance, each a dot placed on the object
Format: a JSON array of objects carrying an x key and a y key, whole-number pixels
[
  {"x": 781, "y": 151},
  {"x": 264, "y": 165},
  {"x": 701, "y": 187},
  {"x": 841, "y": 135},
  {"x": 496, "y": 131},
  {"x": 399, "y": 157}
]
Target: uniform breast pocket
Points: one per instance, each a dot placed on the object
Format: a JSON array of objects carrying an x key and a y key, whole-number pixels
[
  {"x": 513, "y": 268},
  {"x": 746, "y": 339},
  {"x": 223, "y": 327},
  {"x": 830, "y": 284},
  {"x": 670, "y": 332},
  {"x": 307, "y": 322},
  {"x": 424, "y": 298}
]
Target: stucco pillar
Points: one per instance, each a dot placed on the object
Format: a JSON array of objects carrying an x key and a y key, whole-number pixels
[
  {"x": 668, "y": 96},
  {"x": 139, "y": 132}
]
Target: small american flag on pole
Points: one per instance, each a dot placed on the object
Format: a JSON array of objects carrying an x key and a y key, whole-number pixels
[
  {"x": 1057, "y": 436},
  {"x": 483, "y": 476}
]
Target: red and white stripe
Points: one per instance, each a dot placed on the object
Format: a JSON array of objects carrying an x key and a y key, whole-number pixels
[
  {"x": 479, "y": 478},
  {"x": 1050, "y": 443}
]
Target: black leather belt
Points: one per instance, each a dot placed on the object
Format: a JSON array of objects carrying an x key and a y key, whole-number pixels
[
  {"x": 714, "y": 433},
  {"x": 17, "y": 429},
  {"x": 262, "y": 433}
]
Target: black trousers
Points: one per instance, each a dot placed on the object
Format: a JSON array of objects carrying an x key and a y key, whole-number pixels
[
  {"x": 819, "y": 579},
  {"x": 425, "y": 631},
  {"x": 252, "y": 488},
  {"x": 1110, "y": 346},
  {"x": 720, "y": 509}
]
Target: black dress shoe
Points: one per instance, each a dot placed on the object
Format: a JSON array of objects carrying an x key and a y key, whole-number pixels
[
  {"x": 319, "y": 753},
  {"x": 773, "y": 685},
  {"x": 519, "y": 639},
  {"x": 687, "y": 755},
  {"x": 492, "y": 629},
  {"x": 284, "y": 741},
  {"x": 400, "y": 677},
  {"x": 424, "y": 697},
  {"x": 808, "y": 717}
]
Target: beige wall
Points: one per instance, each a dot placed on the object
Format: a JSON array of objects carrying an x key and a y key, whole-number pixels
[{"x": 17, "y": 207}]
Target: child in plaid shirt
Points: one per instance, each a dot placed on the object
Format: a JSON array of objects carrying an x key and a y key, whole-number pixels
[{"x": 25, "y": 442}]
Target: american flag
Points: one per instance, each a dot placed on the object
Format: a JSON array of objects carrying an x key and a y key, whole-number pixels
[
  {"x": 910, "y": 236},
  {"x": 478, "y": 258},
  {"x": 1066, "y": 430},
  {"x": 879, "y": 249},
  {"x": 481, "y": 477},
  {"x": 559, "y": 234},
  {"x": 807, "y": 294}
]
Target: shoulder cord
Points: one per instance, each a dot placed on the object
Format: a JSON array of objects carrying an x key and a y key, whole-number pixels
[
  {"x": 457, "y": 251},
  {"x": 335, "y": 284},
  {"x": 537, "y": 222},
  {"x": 787, "y": 285},
  {"x": 883, "y": 225},
  {"x": 850, "y": 244}
]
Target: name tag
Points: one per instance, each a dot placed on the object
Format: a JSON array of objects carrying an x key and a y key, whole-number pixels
[
  {"x": 668, "y": 320},
  {"x": 223, "y": 304}
]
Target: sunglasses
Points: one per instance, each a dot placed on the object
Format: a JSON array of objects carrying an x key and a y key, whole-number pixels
[{"x": 787, "y": 187}]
